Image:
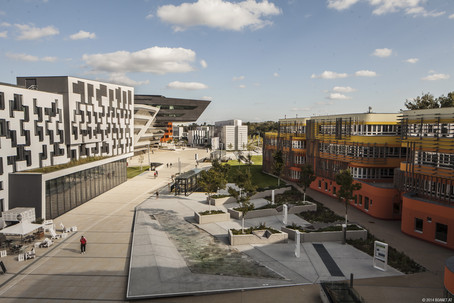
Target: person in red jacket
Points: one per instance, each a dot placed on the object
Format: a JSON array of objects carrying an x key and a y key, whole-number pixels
[{"x": 83, "y": 244}]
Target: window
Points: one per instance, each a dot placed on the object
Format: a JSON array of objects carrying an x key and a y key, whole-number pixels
[
  {"x": 326, "y": 186},
  {"x": 441, "y": 232},
  {"x": 366, "y": 203},
  {"x": 1, "y": 205},
  {"x": 319, "y": 184},
  {"x": 356, "y": 199},
  {"x": 1, "y": 185},
  {"x": 334, "y": 190},
  {"x": 360, "y": 200},
  {"x": 419, "y": 225}
]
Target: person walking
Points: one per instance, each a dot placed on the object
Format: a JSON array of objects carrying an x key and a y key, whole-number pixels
[{"x": 83, "y": 244}]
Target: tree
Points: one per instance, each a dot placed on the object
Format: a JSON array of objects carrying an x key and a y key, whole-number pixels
[
  {"x": 347, "y": 186},
  {"x": 447, "y": 101},
  {"x": 278, "y": 165},
  {"x": 213, "y": 180},
  {"x": 243, "y": 179},
  {"x": 424, "y": 102},
  {"x": 427, "y": 101},
  {"x": 306, "y": 178}
]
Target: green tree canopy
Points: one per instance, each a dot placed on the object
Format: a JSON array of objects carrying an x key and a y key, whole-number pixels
[
  {"x": 427, "y": 101},
  {"x": 278, "y": 165},
  {"x": 347, "y": 186},
  {"x": 307, "y": 176}
]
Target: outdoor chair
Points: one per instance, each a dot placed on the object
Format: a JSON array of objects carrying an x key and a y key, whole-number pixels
[
  {"x": 54, "y": 234},
  {"x": 30, "y": 254},
  {"x": 46, "y": 243},
  {"x": 3, "y": 253},
  {"x": 20, "y": 257},
  {"x": 74, "y": 228}
]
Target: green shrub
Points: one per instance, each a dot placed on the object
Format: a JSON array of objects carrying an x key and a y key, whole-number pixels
[{"x": 322, "y": 214}]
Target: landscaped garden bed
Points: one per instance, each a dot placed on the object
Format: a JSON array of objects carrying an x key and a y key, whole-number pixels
[
  {"x": 211, "y": 216},
  {"x": 325, "y": 234},
  {"x": 256, "y": 235},
  {"x": 396, "y": 259}
]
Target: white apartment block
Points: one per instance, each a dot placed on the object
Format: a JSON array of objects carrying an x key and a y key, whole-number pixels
[{"x": 233, "y": 134}]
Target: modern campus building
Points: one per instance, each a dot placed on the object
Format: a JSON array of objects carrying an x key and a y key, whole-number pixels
[
  {"x": 404, "y": 163},
  {"x": 49, "y": 121},
  {"x": 426, "y": 177},
  {"x": 169, "y": 111},
  {"x": 232, "y": 134}
]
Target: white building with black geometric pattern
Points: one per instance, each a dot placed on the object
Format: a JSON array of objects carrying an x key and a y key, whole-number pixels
[{"x": 46, "y": 121}]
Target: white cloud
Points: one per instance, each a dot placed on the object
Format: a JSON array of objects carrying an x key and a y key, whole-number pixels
[
  {"x": 30, "y": 58},
  {"x": 149, "y": 16},
  {"x": 238, "y": 78},
  {"x": 412, "y": 60},
  {"x": 4, "y": 34},
  {"x": 365, "y": 73},
  {"x": 382, "y": 52},
  {"x": 5, "y": 24},
  {"x": 329, "y": 75},
  {"x": 276, "y": 75},
  {"x": 156, "y": 60},
  {"x": 381, "y": 7},
  {"x": 122, "y": 79},
  {"x": 29, "y": 32},
  {"x": 22, "y": 57},
  {"x": 186, "y": 85},
  {"x": 338, "y": 96},
  {"x": 203, "y": 63},
  {"x": 49, "y": 59},
  {"x": 219, "y": 14},
  {"x": 242, "y": 86},
  {"x": 435, "y": 77},
  {"x": 341, "y": 4},
  {"x": 344, "y": 89},
  {"x": 82, "y": 35},
  {"x": 451, "y": 16}
]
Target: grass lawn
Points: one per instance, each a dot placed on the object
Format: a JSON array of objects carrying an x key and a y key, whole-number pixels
[
  {"x": 133, "y": 171},
  {"x": 258, "y": 178}
]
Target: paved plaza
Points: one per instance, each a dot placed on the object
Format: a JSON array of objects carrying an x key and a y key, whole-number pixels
[{"x": 124, "y": 237}]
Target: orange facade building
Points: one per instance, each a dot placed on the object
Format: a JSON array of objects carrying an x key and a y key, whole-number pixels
[{"x": 404, "y": 162}]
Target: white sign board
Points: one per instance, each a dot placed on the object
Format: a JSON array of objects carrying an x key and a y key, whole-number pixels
[{"x": 380, "y": 255}]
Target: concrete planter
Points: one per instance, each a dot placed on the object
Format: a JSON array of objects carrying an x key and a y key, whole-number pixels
[
  {"x": 211, "y": 218},
  {"x": 253, "y": 213},
  {"x": 325, "y": 236},
  {"x": 221, "y": 201},
  {"x": 267, "y": 192},
  {"x": 257, "y": 213},
  {"x": 258, "y": 237}
]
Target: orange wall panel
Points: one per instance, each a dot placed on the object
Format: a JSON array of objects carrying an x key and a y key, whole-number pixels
[
  {"x": 449, "y": 280},
  {"x": 413, "y": 208},
  {"x": 382, "y": 198}
]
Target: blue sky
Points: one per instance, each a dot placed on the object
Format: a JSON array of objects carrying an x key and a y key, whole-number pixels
[{"x": 256, "y": 60}]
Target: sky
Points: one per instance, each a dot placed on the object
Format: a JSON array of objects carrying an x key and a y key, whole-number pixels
[{"x": 256, "y": 60}]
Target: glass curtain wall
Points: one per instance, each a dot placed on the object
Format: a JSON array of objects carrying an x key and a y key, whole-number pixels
[{"x": 67, "y": 192}]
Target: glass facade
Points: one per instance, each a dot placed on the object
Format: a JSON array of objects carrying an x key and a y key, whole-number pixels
[{"x": 67, "y": 192}]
